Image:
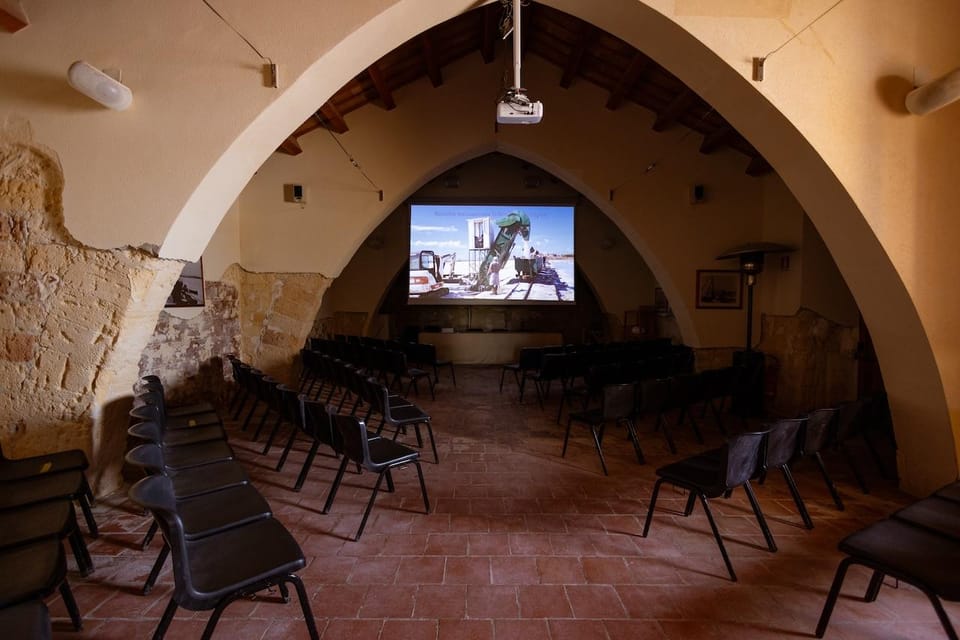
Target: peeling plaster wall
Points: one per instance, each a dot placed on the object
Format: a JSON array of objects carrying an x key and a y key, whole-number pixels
[
  {"x": 189, "y": 353},
  {"x": 72, "y": 319},
  {"x": 277, "y": 311}
]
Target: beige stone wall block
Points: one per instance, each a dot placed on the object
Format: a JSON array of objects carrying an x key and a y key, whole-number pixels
[
  {"x": 8, "y": 317},
  {"x": 51, "y": 258},
  {"x": 19, "y": 194},
  {"x": 20, "y": 347},
  {"x": 11, "y": 257}
]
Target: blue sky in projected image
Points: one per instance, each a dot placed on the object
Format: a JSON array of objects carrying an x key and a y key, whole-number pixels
[{"x": 443, "y": 227}]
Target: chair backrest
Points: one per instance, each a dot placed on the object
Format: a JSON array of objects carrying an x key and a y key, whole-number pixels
[
  {"x": 654, "y": 395},
  {"x": 148, "y": 457},
  {"x": 155, "y": 493},
  {"x": 353, "y": 432},
  {"x": 743, "y": 457},
  {"x": 148, "y": 431},
  {"x": 530, "y": 358},
  {"x": 819, "y": 429},
  {"x": 290, "y": 404},
  {"x": 783, "y": 441},
  {"x": 619, "y": 400},
  {"x": 318, "y": 424},
  {"x": 849, "y": 418},
  {"x": 553, "y": 365}
]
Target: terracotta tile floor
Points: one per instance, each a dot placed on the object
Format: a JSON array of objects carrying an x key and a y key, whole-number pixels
[{"x": 523, "y": 544}]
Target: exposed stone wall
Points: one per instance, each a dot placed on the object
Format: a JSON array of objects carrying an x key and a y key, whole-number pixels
[
  {"x": 189, "y": 354},
  {"x": 277, "y": 313},
  {"x": 815, "y": 358},
  {"x": 73, "y": 320}
]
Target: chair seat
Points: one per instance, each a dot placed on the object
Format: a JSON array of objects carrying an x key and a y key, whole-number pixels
[
  {"x": 407, "y": 414},
  {"x": 949, "y": 492},
  {"x": 211, "y": 477},
  {"x": 190, "y": 409},
  {"x": 197, "y": 454},
  {"x": 909, "y": 553},
  {"x": 195, "y": 420},
  {"x": 936, "y": 514},
  {"x": 71, "y": 460},
  {"x": 385, "y": 452},
  {"x": 54, "y": 519},
  {"x": 27, "y": 620},
  {"x": 215, "y": 512},
  {"x": 178, "y": 437},
  {"x": 255, "y": 551},
  {"x": 696, "y": 474},
  {"x": 66, "y": 484},
  {"x": 32, "y": 571}
]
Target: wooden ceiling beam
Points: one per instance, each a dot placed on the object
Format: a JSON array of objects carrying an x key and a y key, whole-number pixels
[
  {"x": 629, "y": 78},
  {"x": 716, "y": 139},
  {"x": 332, "y": 119},
  {"x": 290, "y": 146},
  {"x": 12, "y": 16},
  {"x": 380, "y": 84},
  {"x": 587, "y": 35},
  {"x": 758, "y": 167},
  {"x": 672, "y": 112},
  {"x": 430, "y": 60},
  {"x": 490, "y": 32}
]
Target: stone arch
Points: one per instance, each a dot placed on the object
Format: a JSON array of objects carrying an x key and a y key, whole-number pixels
[{"x": 927, "y": 447}]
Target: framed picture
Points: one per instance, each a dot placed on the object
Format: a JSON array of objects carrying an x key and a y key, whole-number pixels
[
  {"x": 660, "y": 302},
  {"x": 718, "y": 289},
  {"x": 188, "y": 290}
]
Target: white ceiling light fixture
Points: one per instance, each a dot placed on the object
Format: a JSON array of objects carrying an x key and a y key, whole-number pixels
[
  {"x": 934, "y": 95},
  {"x": 515, "y": 107},
  {"x": 99, "y": 86}
]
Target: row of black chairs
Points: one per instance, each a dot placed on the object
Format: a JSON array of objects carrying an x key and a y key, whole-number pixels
[
  {"x": 322, "y": 424},
  {"x": 37, "y": 516},
  {"x": 421, "y": 355},
  {"x": 918, "y": 545},
  {"x": 219, "y": 529}
]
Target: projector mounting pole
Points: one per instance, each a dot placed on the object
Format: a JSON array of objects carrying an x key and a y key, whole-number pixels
[{"x": 516, "y": 45}]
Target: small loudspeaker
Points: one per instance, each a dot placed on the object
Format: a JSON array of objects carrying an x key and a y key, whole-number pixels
[
  {"x": 698, "y": 193},
  {"x": 294, "y": 193}
]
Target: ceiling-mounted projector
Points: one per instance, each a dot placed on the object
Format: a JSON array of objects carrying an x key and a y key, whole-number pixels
[
  {"x": 515, "y": 107},
  {"x": 518, "y": 109}
]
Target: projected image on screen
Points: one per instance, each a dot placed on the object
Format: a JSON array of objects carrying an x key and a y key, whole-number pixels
[{"x": 491, "y": 254}]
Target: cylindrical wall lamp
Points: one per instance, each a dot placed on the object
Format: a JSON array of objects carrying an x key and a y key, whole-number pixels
[
  {"x": 98, "y": 86},
  {"x": 935, "y": 94}
]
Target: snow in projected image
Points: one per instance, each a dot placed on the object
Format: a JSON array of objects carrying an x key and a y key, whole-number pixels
[{"x": 491, "y": 254}]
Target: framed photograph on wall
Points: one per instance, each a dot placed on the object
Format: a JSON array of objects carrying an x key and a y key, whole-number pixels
[
  {"x": 719, "y": 289},
  {"x": 188, "y": 290}
]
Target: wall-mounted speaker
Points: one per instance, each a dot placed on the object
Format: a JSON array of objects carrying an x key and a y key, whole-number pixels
[
  {"x": 294, "y": 193},
  {"x": 698, "y": 193}
]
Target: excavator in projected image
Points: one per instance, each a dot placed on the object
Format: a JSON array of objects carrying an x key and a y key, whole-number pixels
[{"x": 513, "y": 224}]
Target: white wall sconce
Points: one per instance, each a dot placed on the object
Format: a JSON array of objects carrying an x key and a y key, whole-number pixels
[
  {"x": 935, "y": 94},
  {"x": 98, "y": 86}
]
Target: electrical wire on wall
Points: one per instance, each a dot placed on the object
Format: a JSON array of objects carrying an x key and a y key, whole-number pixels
[
  {"x": 271, "y": 66},
  {"x": 350, "y": 157}
]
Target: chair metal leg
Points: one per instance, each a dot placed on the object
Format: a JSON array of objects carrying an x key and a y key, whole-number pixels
[
  {"x": 157, "y": 567},
  {"x": 691, "y": 502},
  {"x": 250, "y": 413},
  {"x": 284, "y": 592},
  {"x": 433, "y": 444},
  {"x": 873, "y": 588},
  {"x": 68, "y": 600},
  {"x": 596, "y": 443},
  {"x": 566, "y": 439},
  {"x": 662, "y": 424},
  {"x": 243, "y": 403},
  {"x": 148, "y": 538},
  {"x": 855, "y": 469},
  {"x": 755, "y": 504},
  {"x": 373, "y": 497},
  {"x": 716, "y": 536},
  {"x": 942, "y": 615},
  {"x": 215, "y": 617},
  {"x": 826, "y": 478},
  {"x": 80, "y": 552},
  {"x": 306, "y": 465},
  {"x": 304, "y": 605},
  {"x": 797, "y": 499},
  {"x": 389, "y": 476},
  {"x": 632, "y": 433},
  {"x": 832, "y": 596},
  {"x": 88, "y": 515},
  {"x": 336, "y": 485},
  {"x": 423, "y": 487},
  {"x": 286, "y": 449},
  {"x": 653, "y": 503}
]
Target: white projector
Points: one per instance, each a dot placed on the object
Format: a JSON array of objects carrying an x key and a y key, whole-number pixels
[{"x": 517, "y": 113}]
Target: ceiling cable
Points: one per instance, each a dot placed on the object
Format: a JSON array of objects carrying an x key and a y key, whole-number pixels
[
  {"x": 274, "y": 79},
  {"x": 350, "y": 158},
  {"x": 759, "y": 61}
]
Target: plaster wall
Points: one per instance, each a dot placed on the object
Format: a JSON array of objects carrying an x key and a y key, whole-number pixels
[{"x": 876, "y": 182}]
